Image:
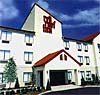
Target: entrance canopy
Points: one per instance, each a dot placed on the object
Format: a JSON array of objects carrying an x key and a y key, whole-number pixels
[{"x": 62, "y": 54}]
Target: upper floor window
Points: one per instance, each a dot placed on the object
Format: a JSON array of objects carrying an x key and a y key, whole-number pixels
[
  {"x": 27, "y": 77},
  {"x": 80, "y": 59},
  {"x": 67, "y": 45},
  {"x": 63, "y": 57},
  {"x": 85, "y": 47},
  {"x": 99, "y": 47},
  {"x": 29, "y": 39},
  {"x": 6, "y": 36},
  {"x": 28, "y": 57},
  {"x": 79, "y": 46},
  {"x": 87, "y": 60},
  {"x": 4, "y": 55}
]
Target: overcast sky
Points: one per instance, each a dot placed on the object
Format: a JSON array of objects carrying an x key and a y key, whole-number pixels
[{"x": 80, "y": 18}]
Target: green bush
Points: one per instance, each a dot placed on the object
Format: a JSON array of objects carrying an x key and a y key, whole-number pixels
[
  {"x": 1, "y": 93},
  {"x": 17, "y": 83},
  {"x": 23, "y": 91},
  {"x": 48, "y": 87},
  {"x": 83, "y": 81},
  {"x": 12, "y": 92}
]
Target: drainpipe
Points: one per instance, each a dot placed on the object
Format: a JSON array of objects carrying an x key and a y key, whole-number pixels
[{"x": 96, "y": 67}]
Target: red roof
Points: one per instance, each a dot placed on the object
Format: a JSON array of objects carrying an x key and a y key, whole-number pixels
[
  {"x": 91, "y": 37},
  {"x": 51, "y": 56}
]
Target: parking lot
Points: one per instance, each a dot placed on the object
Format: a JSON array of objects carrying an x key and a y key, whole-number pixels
[{"x": 79, "y": 91}]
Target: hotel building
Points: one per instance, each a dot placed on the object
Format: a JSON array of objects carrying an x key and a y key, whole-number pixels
[{"x": 55, "y": 58}]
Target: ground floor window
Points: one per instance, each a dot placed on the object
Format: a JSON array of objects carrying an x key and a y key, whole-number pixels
[
  {"x": 69, "y": 76},
  {"x": 1, "y": 78},
  {"x": 88, "y": 75},
  {"x": 27, "y": 77},
  {"x": 82, "y": 74}
]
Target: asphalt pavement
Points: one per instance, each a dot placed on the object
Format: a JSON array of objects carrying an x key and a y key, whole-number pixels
[{"x": 78, "y": 91}]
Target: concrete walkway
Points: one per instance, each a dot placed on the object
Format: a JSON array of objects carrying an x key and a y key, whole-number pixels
[{"x": 61, "y": 88}]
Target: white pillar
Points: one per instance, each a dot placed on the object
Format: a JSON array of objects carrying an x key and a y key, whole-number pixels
[{"x": 77, "y": 77}]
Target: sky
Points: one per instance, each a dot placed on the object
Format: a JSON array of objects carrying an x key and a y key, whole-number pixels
[{"x": 79, "y": 18}]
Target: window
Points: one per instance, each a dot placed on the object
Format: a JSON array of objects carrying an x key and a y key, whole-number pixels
[
  {"x": 69, "y": 75},
  {"x": 27, "y": 76},
  {"x": 79, "y": 46},
  {"x": 87, "y": 60},
  {"x": 99, "y": 47},
  {"x": 4, "y": 55},
  {"x": 82, "y": 74},
  {"x": 29, "y": 39},
  {"x": 28, "y": 57},
  {"x": 85, "y": 47},
  {"x": 67, "y": 45},
  {"x": 65, "y": 57},
  {"x": 80, "y": 59},
  {"x": 6, "y": 36},
  {"x": 88, "y": 75},
  {"x": 61, "y": 57},
  {"x": 1, "y": 78}
]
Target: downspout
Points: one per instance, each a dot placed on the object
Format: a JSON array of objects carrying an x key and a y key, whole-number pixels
[{"x": 96, "y": 67}]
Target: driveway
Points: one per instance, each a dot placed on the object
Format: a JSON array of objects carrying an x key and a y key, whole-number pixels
[{"x": 79, "y": 91}]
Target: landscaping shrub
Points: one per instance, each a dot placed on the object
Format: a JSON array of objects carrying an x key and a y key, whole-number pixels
[
  {"x": 1, "y": 93},
  {"x": 34, "y": 89},
  {"x": 96, "y": 79},
  {"x": 3, "y": 89},
  {"x": 48, "y": 87},
  {"x": 12, "y": 92},
  {"x": 17, "y": 83},
  {"x": 83, "y": 81},
  {"x": 18, "y": 91},
  {"x": 7, "y": 92},
  {"x": 38, "y": 88},
  {"x": 43, "y": 88},
  {"x": 23, "y": 91}
]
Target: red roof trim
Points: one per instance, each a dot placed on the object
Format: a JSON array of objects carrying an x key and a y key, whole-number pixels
[
  {"x": 51, "y": 56},
  {"x": 91, "y": 37}
]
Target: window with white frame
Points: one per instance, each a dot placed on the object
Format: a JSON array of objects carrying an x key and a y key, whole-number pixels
[
  {"x": 67, "y": 45},
  {"x": 87, "y": 60},
  {"x": 80, "y": 59},
  {"x": 85, "y": 47},
  {"x": 27, "y": 76},
  {"x": 82, "y": 74},
  {"x": 2, "y": 78},
  {"x": 88, "y": 75},
  {"x": 4, "y": 55},
  {"x": 29, "y": 39},
  {"x": 28, "y": 57},
  {"x": 69, "y": 75},
  {"x": 6, "y": 36},
  {"x": 99, "y": 47},
  {"x": 79, "y": 46}
]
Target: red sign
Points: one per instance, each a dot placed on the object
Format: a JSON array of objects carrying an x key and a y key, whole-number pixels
[{"x": 48, "y": 24}]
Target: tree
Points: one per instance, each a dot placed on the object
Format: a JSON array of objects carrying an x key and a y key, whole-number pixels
[
  {"x": 48, "y": 87},
  {"x": 10, "y": 71},
  {"x": 33, "y": 76},
  {"x": 82, "y": 81},
  {"x": 17, "y": 83},
  {"x": 96, "y": 79}
]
